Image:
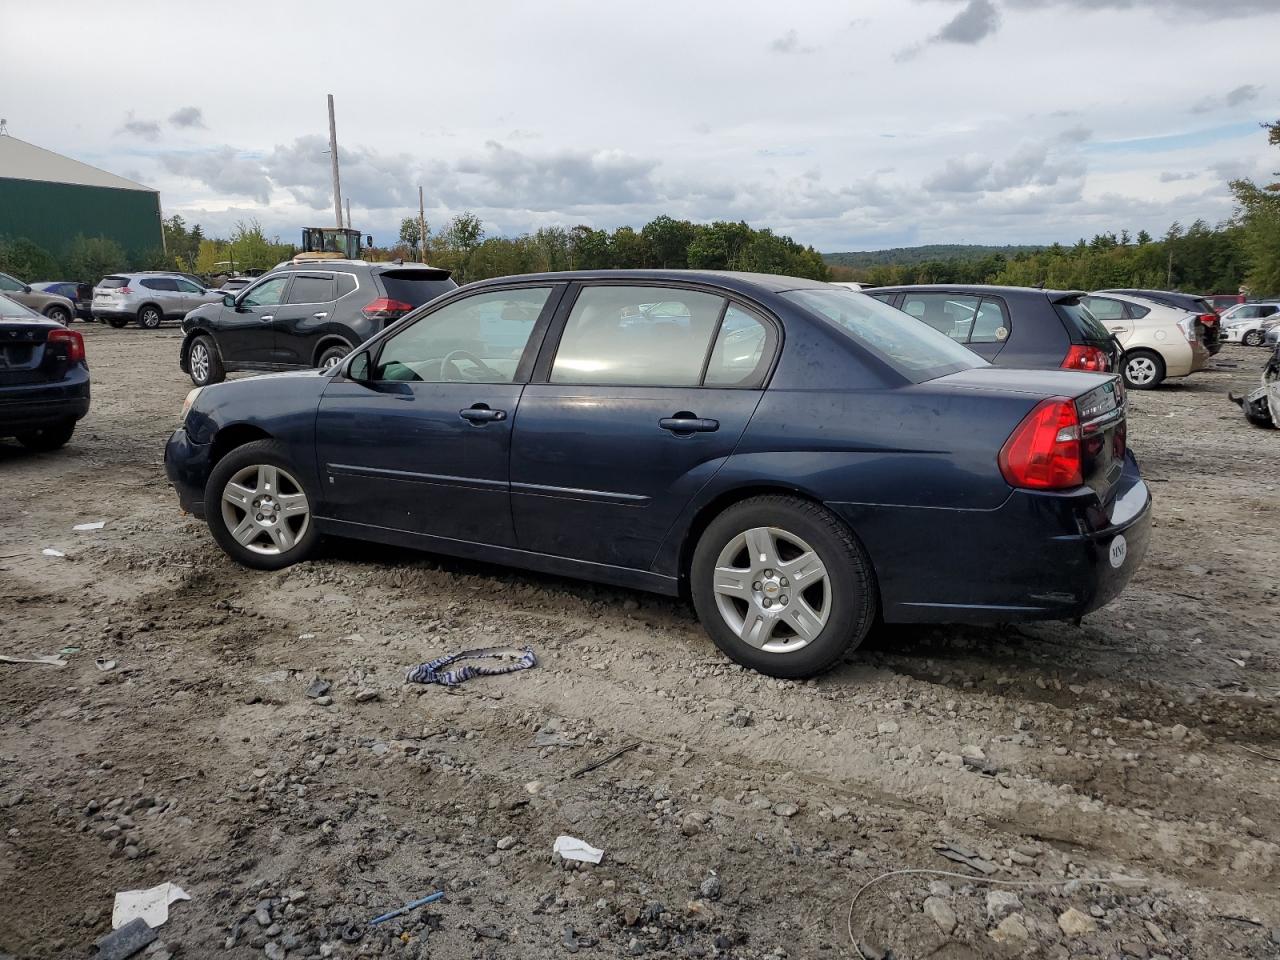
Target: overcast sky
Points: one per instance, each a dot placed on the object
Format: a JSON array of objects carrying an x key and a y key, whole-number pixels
[{"x": 850, "y": 126}]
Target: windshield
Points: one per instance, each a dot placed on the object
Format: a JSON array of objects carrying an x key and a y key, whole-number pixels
[{"x": 910, "y": 346}]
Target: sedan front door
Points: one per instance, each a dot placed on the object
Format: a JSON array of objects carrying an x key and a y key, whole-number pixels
[
  {"x": 416, "y": 438},
  {"x": 647, "y": 394}
]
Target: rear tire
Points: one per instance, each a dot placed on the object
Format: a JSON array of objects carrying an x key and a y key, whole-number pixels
[
  {"x": 1253, "y": 338},
  {"x": 286, "y": 533},
  {"x": 204, "y": 362},
  {"x": 332, "y": 356},
  {"x": 1143, "y": 370},
  {"x": 150, "y": 318},
  {"x": 59, "y": 315},
  {"x": 757, "y": 611},
  {"x": 48, "y": 438}
]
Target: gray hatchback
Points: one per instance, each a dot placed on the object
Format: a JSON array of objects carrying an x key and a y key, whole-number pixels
[{"x": 149, "y": 298}]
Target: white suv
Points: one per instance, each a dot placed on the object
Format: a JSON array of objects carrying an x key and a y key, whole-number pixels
[
  {"x": 1158, "y": 341},
  {"x": 1248, "y": 323},
  {"x": 149, "y": 297}
]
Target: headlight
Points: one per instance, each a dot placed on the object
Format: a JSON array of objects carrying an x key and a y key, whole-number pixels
[{"x": 186, "y": 404}]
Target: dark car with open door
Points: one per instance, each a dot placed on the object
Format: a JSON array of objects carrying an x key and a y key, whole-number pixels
[
  {"x": 1011, "y": 326},
  {"x": 44, "y": 378},
  {"x": 304, "y": 313}
]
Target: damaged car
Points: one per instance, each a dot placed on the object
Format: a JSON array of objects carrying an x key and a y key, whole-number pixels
[{"x": 1261, "y": 406}]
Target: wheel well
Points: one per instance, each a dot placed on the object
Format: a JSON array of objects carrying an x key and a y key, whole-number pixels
[
  {"x": 57, "y": 306},
  {"x": 144, "y": 306},
  {"x": 327, "y": 342},
  {"x": 716, "y": 507},
  {"x": 236, "y": 435}
]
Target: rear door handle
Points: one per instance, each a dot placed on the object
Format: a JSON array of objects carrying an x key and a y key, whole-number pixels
[
  {"x": 689, "y": 424},
  {"x": 321, "y": 315},
  {"x": 482, "y": 414}
]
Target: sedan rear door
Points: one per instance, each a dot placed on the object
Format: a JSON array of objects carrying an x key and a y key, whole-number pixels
[{"x": 641, "y": 394}]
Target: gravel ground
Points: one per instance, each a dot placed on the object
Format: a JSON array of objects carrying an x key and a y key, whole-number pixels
[{"x": 744, "y": 823}]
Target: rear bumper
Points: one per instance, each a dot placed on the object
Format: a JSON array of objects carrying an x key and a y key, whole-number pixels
[
  {"x": 1039, "y": 556},
  {"x": 187, "y": 465},
  {"x": 31, "y": 406},
  {"x": 100, "y": 313}
]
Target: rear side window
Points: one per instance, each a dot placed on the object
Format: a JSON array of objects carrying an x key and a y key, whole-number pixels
[
  {"x": 1136, "y": 311},
  {"x": 1104, "y": 308},
  {"x": 991, "y": 323},
  {"x": 159, "y": 283},
  {"x": 346, "y": 284},
  {"x": 637, "y": 336},
  {"x": 113, "y": 283},
  {"x": 914, "y": 349},
  {"x": 947, "y": 313},
  {"x": 415, "y": 287},
  {"x": 742, "y": 351},
  {"x": 311, "y": 289}
]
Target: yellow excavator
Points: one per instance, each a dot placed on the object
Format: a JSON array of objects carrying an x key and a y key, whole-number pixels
[{"x": 331, "y": 243}]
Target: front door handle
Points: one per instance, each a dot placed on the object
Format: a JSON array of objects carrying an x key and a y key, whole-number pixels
[
  {"x": 482, "y": 414},
  {"x": 321, "y": 315},
  {"x": 1118, "y": 329},
  {"x": 267, "y": 318},
  {"x": 687, "y": 423}
]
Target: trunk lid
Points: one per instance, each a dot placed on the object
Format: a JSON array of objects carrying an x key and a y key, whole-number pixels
[{"x": 23, "y": 354}]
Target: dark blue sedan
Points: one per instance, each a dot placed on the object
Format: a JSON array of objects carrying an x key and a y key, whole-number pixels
[{"x": 798, "y": 458}]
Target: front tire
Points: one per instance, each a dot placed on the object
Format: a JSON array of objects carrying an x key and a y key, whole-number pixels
[
  {"x": 257, "y": 508},
  {"x": 119, "y": 323},
  {"x": 1143, "y": 370},
  {"x": 59, "y": 315},
  {"x": 1253, "y": 338},
  {"x": 204, "y": 362},
  {"x": 150, "y": 318},
  {"x": 48, "y": 438},
  {"x": 782, "y": 586}
]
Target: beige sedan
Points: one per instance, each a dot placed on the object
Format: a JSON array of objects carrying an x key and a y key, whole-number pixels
[{"x": 1158, "y": 341}]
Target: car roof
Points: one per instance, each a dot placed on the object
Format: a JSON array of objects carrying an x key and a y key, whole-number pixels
[
  {"x": 992, "y": 288},
  {"x": 739, "y": 281}
]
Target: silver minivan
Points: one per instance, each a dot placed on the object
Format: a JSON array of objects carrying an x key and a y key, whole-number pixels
[{"x": 147, "y": 297}]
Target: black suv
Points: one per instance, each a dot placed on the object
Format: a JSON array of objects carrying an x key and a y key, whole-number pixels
[
  {"x": 304, "y": 313},
  {"x": 1011, "y": 326}
]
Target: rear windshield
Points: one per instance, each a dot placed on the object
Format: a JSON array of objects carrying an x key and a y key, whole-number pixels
[
  {"x": 1078, "y": 319},
  {"x": 415, "y": 287},
  {"x": 112, "y": 283},
  {"x": 910, "y": 346}
]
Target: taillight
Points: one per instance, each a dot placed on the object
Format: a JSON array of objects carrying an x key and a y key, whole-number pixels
[
  {"x": 1209, "y": 319},
  {"x": 125, "y": 290},
  {"x": 1043, "y": 453},
  {"x": 384, "y": 308},
  {"x": 1080, "y": 357},
  {"x": 73, "y": 340}
]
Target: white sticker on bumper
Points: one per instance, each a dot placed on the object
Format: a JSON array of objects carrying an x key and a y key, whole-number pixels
[{"x": 1119, "y": 550}]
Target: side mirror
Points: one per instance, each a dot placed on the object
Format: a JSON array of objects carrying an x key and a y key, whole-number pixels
[
  {"x": 26, "y": 287},
  {"x": 369, "y": 240},
  {"x": 359, "y": 367},
  {"x": 228, "y": 300}
]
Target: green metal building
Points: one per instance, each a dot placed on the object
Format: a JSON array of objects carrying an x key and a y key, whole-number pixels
[{"x": 49, "y": 199}]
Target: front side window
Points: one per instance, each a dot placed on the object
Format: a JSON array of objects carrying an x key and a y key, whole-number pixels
[
  {"x": 186, "y": 286},
  {"x": 311, "y": 289},
  {"x": 637, "y": 336},
  {"x": 8, "y": 283},
  {"x": 478, "y": 339},
  {"x": 914, "y": 349},
  {"x": 266, "y": 294}
]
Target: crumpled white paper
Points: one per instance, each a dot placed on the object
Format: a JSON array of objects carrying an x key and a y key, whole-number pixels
[
  {"x": 151, "y": 905},
  {"x": 95, "y": 525},
  {"x": 571, "y": 848}
]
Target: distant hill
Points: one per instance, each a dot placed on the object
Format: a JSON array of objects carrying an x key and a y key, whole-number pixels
[{"x": 909, "y": 256}]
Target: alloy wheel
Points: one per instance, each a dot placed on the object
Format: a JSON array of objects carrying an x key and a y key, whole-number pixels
[
  {"x": 265, "y": 509},
  {"x": 772, "y": 590},
  {"x": 200, "y": 363},
  {"x": 1140, "y": 370}
]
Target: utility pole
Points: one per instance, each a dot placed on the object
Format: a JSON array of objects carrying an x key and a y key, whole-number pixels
[
  {"x": 348, "y": 213},
  {"x": 422, "y": 227},
  {"x": 1168, "y": 282},
  {"x": 333, "y": 159}
]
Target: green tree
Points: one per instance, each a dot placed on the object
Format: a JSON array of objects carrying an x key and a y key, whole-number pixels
[
  {"x": 668, "y": 241},
  {"x": 1259, "y": 216},
  {"x": 27, "y": 260},
  {"x": 411, "y": 232},
  {"x": 628, "y": 250},
  {"x": 92, "y": 258},
  {"x": 589, "y": 248}
]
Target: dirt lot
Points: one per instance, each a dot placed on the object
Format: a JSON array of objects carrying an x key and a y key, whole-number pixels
[{"x": 741, "y": 827}]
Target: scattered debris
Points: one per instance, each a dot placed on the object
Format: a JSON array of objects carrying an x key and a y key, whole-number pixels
[
  {"x": 430, "y": 672},
  {"x": 966, "y": 856},
  {"x": 982, "y": 766},
  {"x": 151, "y": 905},
  {"x": 50, "y": 552},
  {"x": 94, "y": 525},
  {"x": 318, "y": 688},
  {"x": 430, "y": 898},
  {"x": 49, "y": 659},
  {"x": 609, "y": 759},
  {"x": 1076, "y": 924},
  {"x": 125, "y": 941},
  {"x": 105, "y": 665},
  {"x": 571, "y": 848}
]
